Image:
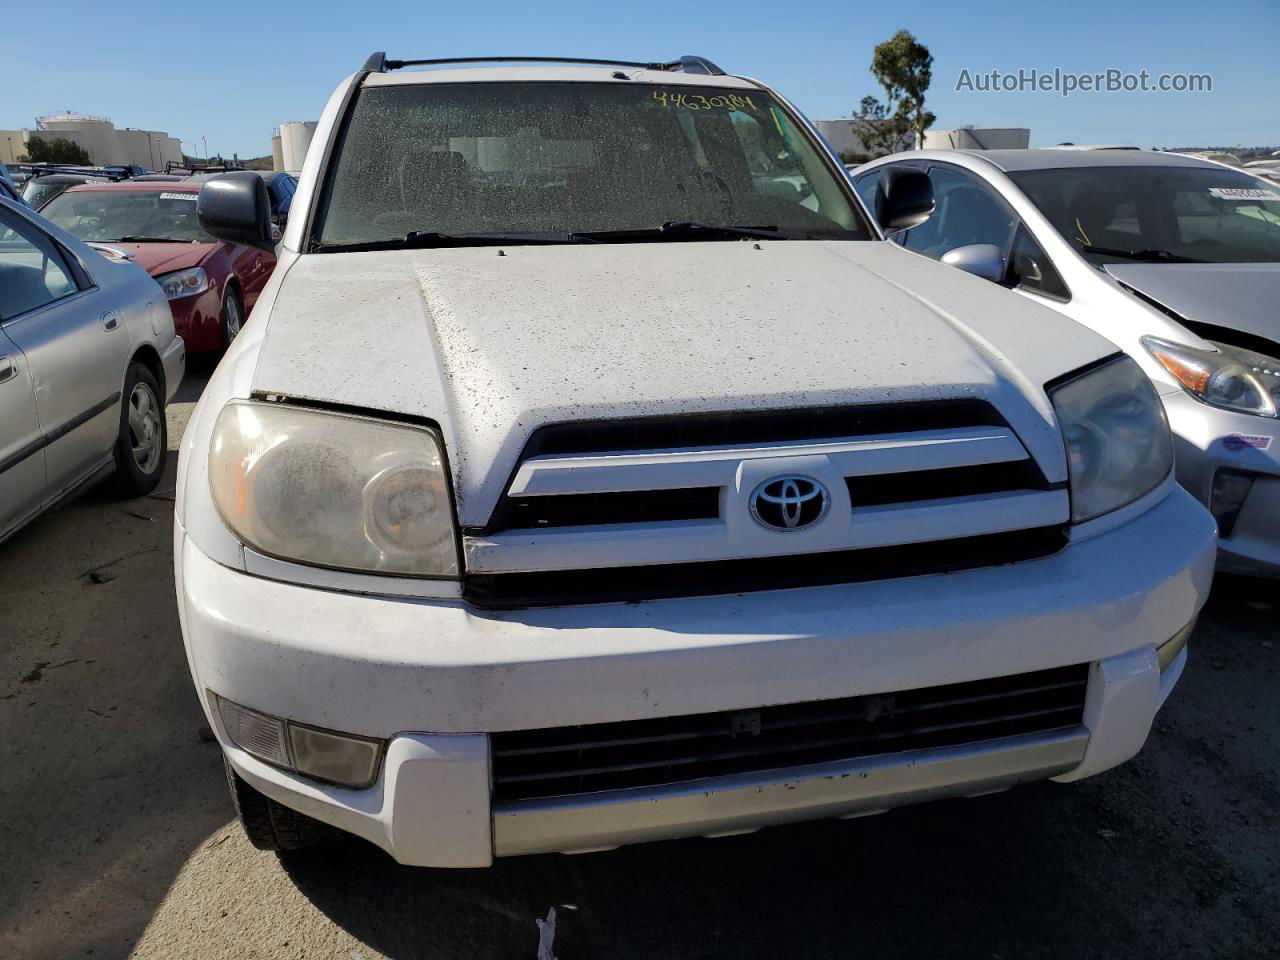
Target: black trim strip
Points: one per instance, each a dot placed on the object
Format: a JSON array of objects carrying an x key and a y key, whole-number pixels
[{"x": 57, "y": 433}]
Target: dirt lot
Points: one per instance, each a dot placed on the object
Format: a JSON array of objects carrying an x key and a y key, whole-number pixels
[{"x": 118, "y": 841}]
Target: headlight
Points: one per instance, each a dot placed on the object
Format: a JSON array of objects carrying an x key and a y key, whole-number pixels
[
  {"x": 334, "y": 490},
  {"x": 1117, "y": 437},
  {"x": 1228, "y": 377},
  {"x": 183, "y": 283}
]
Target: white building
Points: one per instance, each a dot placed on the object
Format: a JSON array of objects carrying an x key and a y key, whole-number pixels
[
  {"x": 842, "y": 133},
  {"x": 100, "y": 139},
  {"x": 978, "y": 138},
  {"x": 295, "y": 138}
]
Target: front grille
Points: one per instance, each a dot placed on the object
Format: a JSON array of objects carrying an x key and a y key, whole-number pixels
[
  {"x": 572, "y": 761},
  {"x": 501, "y": 591},
  {"x": 703, "y": 503}
]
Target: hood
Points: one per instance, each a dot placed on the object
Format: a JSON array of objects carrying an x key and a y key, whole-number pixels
[
  {"x": 158, "y": 258},
  {"x": 492, "y": 345},
  {"x": 1237, "y": 296}
]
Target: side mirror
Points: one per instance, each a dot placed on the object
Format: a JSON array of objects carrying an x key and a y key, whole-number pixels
[
  {"x": 984, "y": 260},
  {"x": 235, "y": 207},
  {"x": 904, "y": 199}
]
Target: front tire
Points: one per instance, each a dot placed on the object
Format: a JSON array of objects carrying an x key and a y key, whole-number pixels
[
  {"x": 231, "y": 319},
  {"x": 143, "y": 438},
  {"x": 270, "y": 825}
]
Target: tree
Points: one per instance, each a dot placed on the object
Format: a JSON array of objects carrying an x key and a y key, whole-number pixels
[
  {"x": 57, "y": 150},
  {"x": 904, "y": 67},
  {"x": 880, "y": 131}
]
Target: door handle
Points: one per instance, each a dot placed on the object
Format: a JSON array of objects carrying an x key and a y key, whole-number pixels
[
  {"x": 110, "y": 320},
  {"x": 8, "y": 369}
]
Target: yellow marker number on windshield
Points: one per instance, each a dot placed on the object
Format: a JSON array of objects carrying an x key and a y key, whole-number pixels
[{"x": 696, "y": 101}]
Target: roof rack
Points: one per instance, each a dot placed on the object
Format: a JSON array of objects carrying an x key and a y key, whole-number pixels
[
  {"x": 105, "y": 172},
  {"x": 378, "y": 63}
]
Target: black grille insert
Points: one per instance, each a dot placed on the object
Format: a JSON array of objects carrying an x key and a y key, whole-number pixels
[
  {"x": 581, "y": 509},
  {"x": 569, "y": 761},
  {"x": 755, "y": 426},
  {"x": 612, "y": 584},
  {"x": 920, "y": 485}
]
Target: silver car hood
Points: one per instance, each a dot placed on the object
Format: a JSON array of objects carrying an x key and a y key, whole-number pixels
[
  {"x": 492, "y": 345},
  {"x": 1238, "y": 296}
]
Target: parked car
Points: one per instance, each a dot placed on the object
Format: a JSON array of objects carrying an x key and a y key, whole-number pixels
[
  {"x": 1175, "y": 259},
  {"x": 88, "y": 358},
  {"x": 211, "y": 284},
  {"x": 39, "y": 190},
  {"x": 590, "y": 475},
  {"x": 280, "y": 190}
]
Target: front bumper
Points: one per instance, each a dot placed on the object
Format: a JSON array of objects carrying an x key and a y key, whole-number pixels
[
  {"x": 393, "y": 667},
  {"x": 1208, "y": 439}
]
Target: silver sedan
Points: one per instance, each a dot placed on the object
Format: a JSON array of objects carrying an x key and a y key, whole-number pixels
[
  {"x": 88, "y": 359},
  {"x": 1175, "y": 259}
]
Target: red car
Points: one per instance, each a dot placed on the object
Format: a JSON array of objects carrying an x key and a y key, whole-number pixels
[{"x": 211, "y": 284}]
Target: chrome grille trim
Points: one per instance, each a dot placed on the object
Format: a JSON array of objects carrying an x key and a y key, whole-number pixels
[{"x": 715, "y": 466}]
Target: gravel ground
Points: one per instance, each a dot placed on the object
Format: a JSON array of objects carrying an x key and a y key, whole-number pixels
[{"x": 118, "y": 839}]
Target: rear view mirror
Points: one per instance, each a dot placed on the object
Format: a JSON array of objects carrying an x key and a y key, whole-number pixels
[
  {"x": 235, "y": 207},
  {"x": 983, "y": 260},
  {"x": 904, "y": 199}
]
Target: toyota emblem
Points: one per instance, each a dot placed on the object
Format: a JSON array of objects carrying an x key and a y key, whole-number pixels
[{"x": 791, "y": 502}]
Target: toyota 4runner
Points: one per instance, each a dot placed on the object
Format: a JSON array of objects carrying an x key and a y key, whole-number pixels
[{"x": 590, "y": 472}]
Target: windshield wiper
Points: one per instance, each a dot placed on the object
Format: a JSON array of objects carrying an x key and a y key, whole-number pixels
[
  {"x": 141, "y": 239},
  {"x": 683, "y": 229},
  {"x": 422, "y": 239},
  {"x": 1152, "y": 255}
]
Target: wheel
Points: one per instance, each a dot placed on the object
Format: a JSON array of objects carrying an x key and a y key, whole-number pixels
[
  {"x": 270, "y": 825},
  {"x": 143, "y": 437},
  {"x": 232, "y": 317}
]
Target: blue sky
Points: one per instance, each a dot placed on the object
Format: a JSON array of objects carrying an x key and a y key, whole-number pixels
[{"x": 232, "y": 71}]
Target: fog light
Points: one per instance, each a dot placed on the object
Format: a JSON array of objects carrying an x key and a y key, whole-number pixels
[
  {"x": 340, "y": 758},
  {"x": 1168, "y": 651},
  {"x": 336, "y": 757},
  {"x": 253, "y": 732},
  {"x": 1230, "y": 489}
]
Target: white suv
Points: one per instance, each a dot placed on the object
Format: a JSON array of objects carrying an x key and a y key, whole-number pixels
[{"x": 590, "y": 472}]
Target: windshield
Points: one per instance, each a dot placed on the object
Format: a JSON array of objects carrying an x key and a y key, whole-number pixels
[
  {"x": 572, "y": 158},
  {"x": 1171, "y": 214},
  {"x": 105, "y": 215}
]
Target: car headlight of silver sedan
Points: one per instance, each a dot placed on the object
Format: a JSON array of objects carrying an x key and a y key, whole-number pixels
[
  {"x": 334, "y": 490},
  {"x": 183, "y": 283},
  {"x": 1228, "y": 377},
  {"x": 1117, "y": 437}
]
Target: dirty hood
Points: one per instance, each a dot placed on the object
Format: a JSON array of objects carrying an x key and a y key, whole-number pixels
[
  {"x": 1237, "y": 296},
  {"x": 492, "y": 345}
]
